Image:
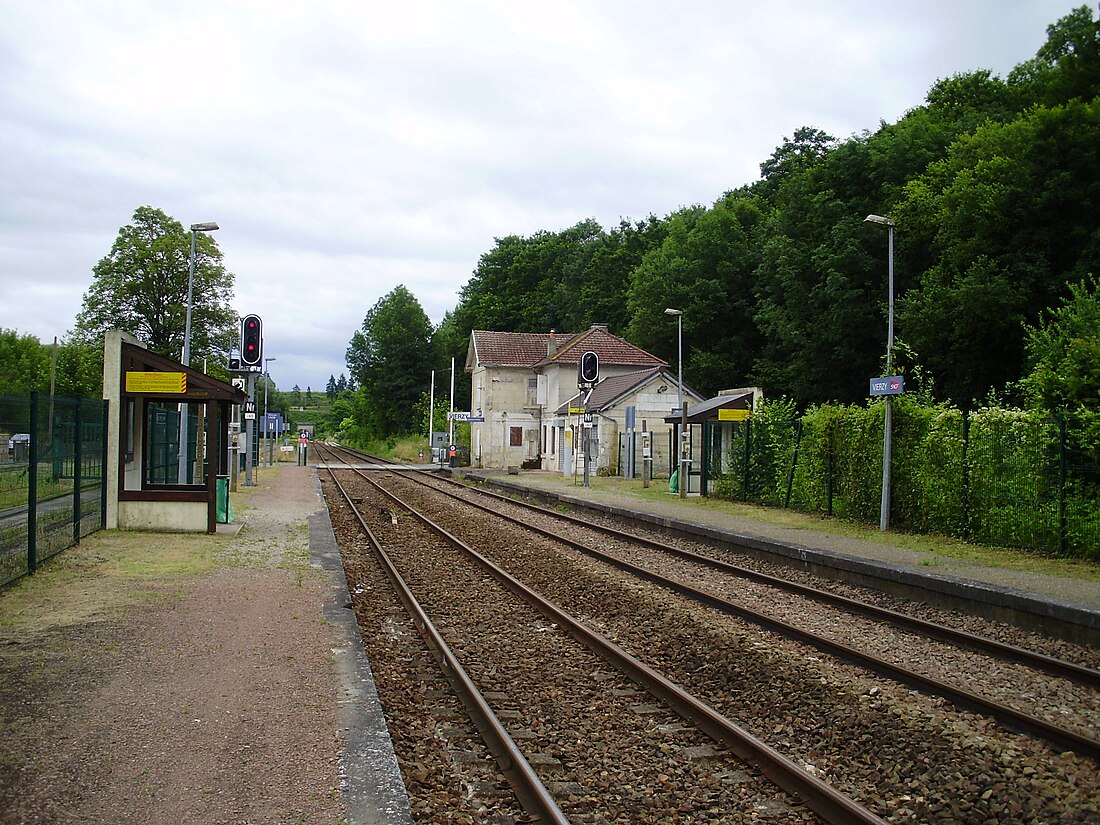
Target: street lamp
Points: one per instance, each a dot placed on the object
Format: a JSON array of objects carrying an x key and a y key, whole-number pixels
[
  {"x": 888, "y": 424},
  {"x": 208, "y": 226},
  {"x": 679, "y": 313},
  {"x": 267, "y": 424}
]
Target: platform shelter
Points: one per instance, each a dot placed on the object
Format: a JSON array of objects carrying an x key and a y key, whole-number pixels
[
  {"x": 715, "y": 418},
  {"x": 148, "y": 396}
]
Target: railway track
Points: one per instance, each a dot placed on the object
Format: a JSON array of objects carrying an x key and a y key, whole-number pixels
[{"x": 710, "y": 677}]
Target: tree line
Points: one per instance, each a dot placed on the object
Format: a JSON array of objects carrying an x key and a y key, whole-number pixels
[{"x": 994, "y": 186}]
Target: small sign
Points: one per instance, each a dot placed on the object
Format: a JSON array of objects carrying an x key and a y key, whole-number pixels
[
  {"x": 889, "y": 385},
  {"x": 733, "y": 415},
  {"x": 166, "y": 382},
  {"x": 456, "y": 415},
  {"x": 476, "y": 419},
  {"x": 576, "y": 410},
  {"x": 249, "y": 410},
  {"x": 588, "y": 421}
]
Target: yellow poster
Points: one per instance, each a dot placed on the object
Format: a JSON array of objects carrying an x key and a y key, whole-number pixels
[
  {"x": 733, "y": 415},
  {"x": 167, "y": 382}
]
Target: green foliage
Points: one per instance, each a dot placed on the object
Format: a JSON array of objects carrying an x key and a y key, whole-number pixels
[
  {"x": 1006, "y": 219},
  {"x": 1064, "y": 353},
  {"x": 994, "y": 476},
  {"x": 438, "y": 418},
  {"x": 24, "y": 363},
  {"x": 141, "y": 288},
  {"x": 390, "y": 359}
]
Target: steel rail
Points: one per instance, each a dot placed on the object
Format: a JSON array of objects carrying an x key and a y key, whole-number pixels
[
  {"x": 960, "y": 697},
  {"x": 528, "y": 788},
  {"x": 1087, "y": 676},
  {"x": 819, "y": 796},
  {"x": 1052, "y": 665}
]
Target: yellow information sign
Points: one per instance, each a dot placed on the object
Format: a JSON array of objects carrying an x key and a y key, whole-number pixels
[
  {"x": 733, "y": 415},
  {"x": 576, "y": 410},
  {"x": 167, "y": 382}
]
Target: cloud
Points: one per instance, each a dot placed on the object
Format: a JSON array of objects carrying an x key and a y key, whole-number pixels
[{"x": 346, "y": 148}]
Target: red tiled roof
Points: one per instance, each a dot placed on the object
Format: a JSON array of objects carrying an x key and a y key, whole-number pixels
[
  {"x": 610, "y": 348},
  {"x": 529, "y": 349},
  {"x": 509, "y": 349}
]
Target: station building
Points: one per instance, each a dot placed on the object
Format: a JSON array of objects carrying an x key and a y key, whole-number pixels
[{"x": 525, "y": 393}]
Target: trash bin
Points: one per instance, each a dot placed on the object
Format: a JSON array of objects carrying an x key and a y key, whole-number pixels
[
  {"x": 674, "y": 481},
  {"x": 222, "y": 505}
]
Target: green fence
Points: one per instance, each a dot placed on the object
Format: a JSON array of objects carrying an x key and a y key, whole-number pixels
[
  {"x": 996, "y": 476},
  {"x": 52, "y": 489}
]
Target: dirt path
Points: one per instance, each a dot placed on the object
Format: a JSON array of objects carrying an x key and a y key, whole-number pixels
[{"x": 155, "y": 679}]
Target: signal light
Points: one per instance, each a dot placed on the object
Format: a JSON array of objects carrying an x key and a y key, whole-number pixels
[
  {"x": 590, "y": 368},
  {"x": 252, "y": 341}
]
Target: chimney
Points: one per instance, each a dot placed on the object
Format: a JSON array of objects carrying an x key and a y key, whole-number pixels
[
  {"x": 551, "y": 345},
  {"x": 602, "y": 327}
]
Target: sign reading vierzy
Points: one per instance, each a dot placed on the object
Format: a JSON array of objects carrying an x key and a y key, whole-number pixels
[{"x": 890, "y": 385}]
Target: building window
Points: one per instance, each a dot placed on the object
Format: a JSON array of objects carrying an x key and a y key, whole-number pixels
[{"x": 515, "y": 436}]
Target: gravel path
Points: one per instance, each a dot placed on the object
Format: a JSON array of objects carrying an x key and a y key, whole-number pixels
[{"x": 200, "y": 690}]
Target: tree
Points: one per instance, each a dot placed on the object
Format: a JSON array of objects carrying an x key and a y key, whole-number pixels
[
  {"x": 1064, "y": 352},
  {"x": 1067, "y": 66},
  {"x": 330, "y": 387},
  {"x": 141, "y": 288},
  {"x": 705, "y": 267},
  {"x": 1004, "y": 223},
  {"x": 390, "y": 357},
  {"x": 24, "y": 363}
]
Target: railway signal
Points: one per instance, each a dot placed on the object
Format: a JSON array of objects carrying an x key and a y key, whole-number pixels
[
  {"x": 588, "y": 373},
  {"x": 252, "y": 341}
]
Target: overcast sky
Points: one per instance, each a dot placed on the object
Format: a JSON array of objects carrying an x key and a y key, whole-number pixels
[{"x": 348, "y": 147}]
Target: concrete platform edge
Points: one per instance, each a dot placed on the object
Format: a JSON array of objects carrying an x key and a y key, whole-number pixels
[
  {"x": 1052, "y": 615},
  {"x": 369, "y": 774}
]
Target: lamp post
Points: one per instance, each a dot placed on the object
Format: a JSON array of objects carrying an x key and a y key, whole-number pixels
[
  {"x": 679, "y": 313},
  {"x": 208, "y": 226},
  {"x": 267, "y": 424},
  {"x": 888, "y": 423}
]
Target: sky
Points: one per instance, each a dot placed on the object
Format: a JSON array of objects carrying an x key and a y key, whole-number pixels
[{"x": 346, "y": 148}]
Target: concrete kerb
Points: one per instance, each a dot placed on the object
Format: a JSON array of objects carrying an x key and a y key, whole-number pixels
[
  {"x": 369, "y": 773},
  {"x": 1057, "y": 617}
]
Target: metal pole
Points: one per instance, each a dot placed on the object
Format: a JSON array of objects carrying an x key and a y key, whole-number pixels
[
  {"x": 451, "y": 419},
  {"x": 182, "y": 476},
  {"x": 431, "y": 419},
  {"x": 249, "y": 432},
  {"x": 888, "y": 423},
  {"x": 683, "y": 407}
]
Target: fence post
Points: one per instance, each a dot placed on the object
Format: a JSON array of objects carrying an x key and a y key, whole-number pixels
[
  {"x": 966, "y": 474},
  {"x": 32, "y": 488},
  {"x": 1062, "y": 538},
  {"x": 748, "y": 457},
  {"x": 794, "y": 462},
  {"x": 829, "y": 445},
  {"x": 78, "y": 457},
  {"x": 103, "y": 467}
]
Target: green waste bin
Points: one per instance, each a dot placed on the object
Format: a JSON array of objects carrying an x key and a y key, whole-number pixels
[
  {"x": 223, "y": 505},
  {"x": 674, "y": 481}
]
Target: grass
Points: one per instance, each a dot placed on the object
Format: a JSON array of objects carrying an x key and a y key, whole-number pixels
[
  {"x": 101, "y": 578},
  {"x": 936, "y": 546}
]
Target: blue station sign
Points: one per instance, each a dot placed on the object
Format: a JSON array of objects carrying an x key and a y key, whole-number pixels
[{"x": 889, "y": 385}]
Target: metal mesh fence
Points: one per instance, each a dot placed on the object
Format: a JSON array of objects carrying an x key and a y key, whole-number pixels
[
  {"x": 1002, "y": 477},
  {"x": 52, "y": 488}
]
